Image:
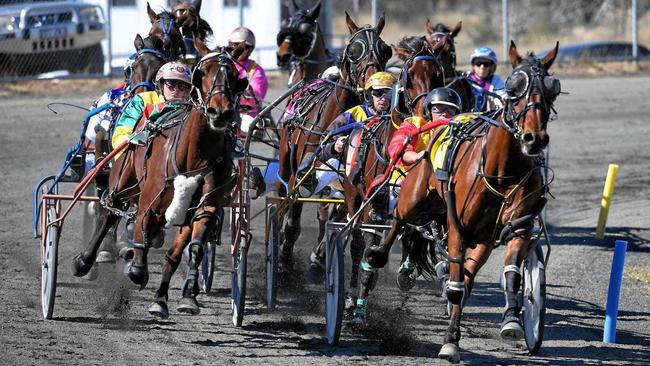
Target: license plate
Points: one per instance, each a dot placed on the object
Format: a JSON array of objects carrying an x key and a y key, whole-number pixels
[{"x": 51, "y": 33}]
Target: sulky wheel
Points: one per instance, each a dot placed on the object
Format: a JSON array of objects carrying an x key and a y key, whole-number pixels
[
  {"x": 334, "y": 284},
  {"x": 533, "y": 299},
  {"x": 272, "y": 247}
]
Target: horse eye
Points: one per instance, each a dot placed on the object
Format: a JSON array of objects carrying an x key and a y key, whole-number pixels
[
  {"x": 517, "y": 84},
  {"x": 355, "y": 50},
  {"x": 552, "y": 86}
]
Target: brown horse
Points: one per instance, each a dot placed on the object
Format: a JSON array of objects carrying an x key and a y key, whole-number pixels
[
  {"x": 194, "y": 144},
  {"x": 421, "y": 73},
  {"x": 447, "y": 54},
  {"x": 495, "y": 187},
  {"x": 312, "y": 110},
  {"x": 301, "y": 47},
  {"x": 191, "y": 25},
  {"x": 165, "y": 26}
]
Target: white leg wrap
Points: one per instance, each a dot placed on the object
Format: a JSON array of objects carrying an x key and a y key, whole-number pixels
[
  {"x": 506, "y": 269},
  {"x": 184, "y": 188}
]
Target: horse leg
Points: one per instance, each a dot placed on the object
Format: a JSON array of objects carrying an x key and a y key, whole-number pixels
[
  {"x": 456, "y": 292},
  {"x": 366, "y": 273},
  {"x": 200, "y": 226},
  {"x": 291, "y": 232},
  {"x": 406, "y": 274},
  {"x": 172, "y": 260},
  {"x": 145, "y": 225},
  {"x": 83, "y": 262},
  {"x": 377, "y": 256},
  {"x": 316, "y": 270},
  {"x": 511, "y": 328}
]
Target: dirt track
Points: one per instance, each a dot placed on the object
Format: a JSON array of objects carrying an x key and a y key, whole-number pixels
[{"x": 106, "y": 322}]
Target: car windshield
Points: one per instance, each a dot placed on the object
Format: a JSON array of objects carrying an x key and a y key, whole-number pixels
[{"x": 15, "y": 2}]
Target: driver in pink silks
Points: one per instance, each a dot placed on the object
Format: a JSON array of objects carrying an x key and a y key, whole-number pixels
[{"x": 251, "y": 101}]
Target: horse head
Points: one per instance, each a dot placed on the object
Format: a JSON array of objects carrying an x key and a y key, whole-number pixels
[
  {"x": 421, "y": 73},
  {"x": 217, "y": 84},
  {"x": 149, "y": 58},
  {"x": 189, "y": 21},
  {"x": 439, "y": 32},
  {"x": 165, "y": 27},
  {"x": 298, "y": 34},
  {"x": 529, "y": 103},
  {"x": 365, "y": 54}
]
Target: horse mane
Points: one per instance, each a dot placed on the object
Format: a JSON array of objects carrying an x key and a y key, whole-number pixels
[
  {"x": 165, "y": 15},
  {"x": 413, "y": 45},
  {"x": 441, "y": 28}
]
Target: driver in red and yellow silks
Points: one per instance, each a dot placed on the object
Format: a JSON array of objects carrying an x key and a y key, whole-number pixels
[{"x": 173, "y": 82}]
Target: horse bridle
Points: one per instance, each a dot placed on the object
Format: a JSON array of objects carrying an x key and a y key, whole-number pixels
[
  {"x": 146, "y": 84},
  {"x": 535, "y": 77},
  {"x": 370, "y": 50},
  {"x": 403, "y": 77},
  {"x": 224, "y": 88},
  {"x": 166, "y": 30}
]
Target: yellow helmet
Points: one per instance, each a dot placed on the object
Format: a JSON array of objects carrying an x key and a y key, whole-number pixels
[{"x": 380, "y": 80}]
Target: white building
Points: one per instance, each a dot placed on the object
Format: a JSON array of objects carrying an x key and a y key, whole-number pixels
[{"x": 129, "y": 17}]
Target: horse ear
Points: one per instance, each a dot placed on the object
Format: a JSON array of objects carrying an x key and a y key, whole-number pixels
[
  {"x": 200, "y": 47},
  {"x": 152, "y": 14},
  {"x": 380, "y": 24},
  {"x": 454, "y": 32},
  {"x": 138, "y": 42},
  {"x": 314, "y": 12},
  {"x": 548, "y": 60},
  {"x": 515, "y": 58},
  {"x": 402, "y": 53},
  {"x": 351, "y": 26},
  {"x": 197, "y": 6},
  {"x": 429, "y": 27}
]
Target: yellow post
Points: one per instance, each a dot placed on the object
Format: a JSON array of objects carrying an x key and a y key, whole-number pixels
[{"x": 608, "y": 192}]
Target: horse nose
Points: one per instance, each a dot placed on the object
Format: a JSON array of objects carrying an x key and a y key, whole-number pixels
[
  {"x": 213, "y": 113},
  {"x": 228, "y": 114},
  {"x": 534, "y": 142}
]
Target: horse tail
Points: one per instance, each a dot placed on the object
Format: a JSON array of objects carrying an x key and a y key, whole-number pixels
[{"x": 420, "y": 254}]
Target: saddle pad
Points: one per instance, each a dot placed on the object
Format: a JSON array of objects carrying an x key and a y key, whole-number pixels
[{"x": 441, "y": 145}]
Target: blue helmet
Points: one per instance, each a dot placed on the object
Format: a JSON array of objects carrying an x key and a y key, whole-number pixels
[{"x": 484, "y": 53}]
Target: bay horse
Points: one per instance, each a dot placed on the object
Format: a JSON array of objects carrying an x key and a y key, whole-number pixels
[
  {"x": 454, "y": 79},
  {"x": 308, "y": 115},
  {"x": 193, "y": 144},
  {"x": 191, "y": 25},
  {"x": 421, "y": 73},
  {"x": 496, "y": 186},
  {"x": 165, "y": 26},
  {"x": 301, "y": 47}
]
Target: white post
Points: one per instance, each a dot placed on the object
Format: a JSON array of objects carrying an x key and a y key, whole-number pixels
[
  {"x": 326, "y": 22},
  {"x": 373, "y": 12},
  {"x": 240, "y": 6},
  {"x": 506, "y": 29},
  {"x": 635, "y": 30},
  {"x": 108, "y": 61}
]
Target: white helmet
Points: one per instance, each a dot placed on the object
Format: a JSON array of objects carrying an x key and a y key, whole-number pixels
[
  {"x": 174, "y": 71},
  {"x": 242, "y": 34}
]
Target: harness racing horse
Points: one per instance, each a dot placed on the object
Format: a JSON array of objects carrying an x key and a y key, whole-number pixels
[
  {"x": 447, "y": 55},
  {"x": 165, "y": 26},
  {"x": 301, "y": 47},
  {"x": 191, "y": 25},
  {"x": 496, "y": 186},
  {"x": 421, "y": 73},
  {"x": 308, "y": 115}
]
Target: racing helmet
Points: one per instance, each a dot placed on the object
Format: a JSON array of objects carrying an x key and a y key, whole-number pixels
[
  {"x": 174, "y": 71},
  {"x": 380, "y": 80},
  {"x": 485, "y": 53},
  {"x": 444, "y": 96},
  {"x": 242, "y": 34}
]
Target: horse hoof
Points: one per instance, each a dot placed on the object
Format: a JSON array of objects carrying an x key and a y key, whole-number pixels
[
  {"x": 188, "y": 305},
  {"x": 159, "y": 308},
  {"x": 79, "y": 267},
  {"x": 139, "y": 276},
  {"x": 315, "y": 273},
  {"x": 127, "y": 253},
  {"x": 105, "y": 256},
  {"x": 512, "y": 331},
  {"x": 159, "y": 240},
  {"x": 449, "y": 352},
  {"x": 405, "y": 279}
]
